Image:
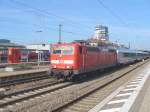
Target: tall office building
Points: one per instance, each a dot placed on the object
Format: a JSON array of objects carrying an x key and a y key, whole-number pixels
[{"x": 101, "y": 33}]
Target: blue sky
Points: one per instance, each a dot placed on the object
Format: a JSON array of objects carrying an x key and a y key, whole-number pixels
[{"x": 21, "y": 19}]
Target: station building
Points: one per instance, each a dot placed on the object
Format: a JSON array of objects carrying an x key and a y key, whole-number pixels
[
  {"x": 38, "y": 46},
  {"x": 4, "y": 43}
]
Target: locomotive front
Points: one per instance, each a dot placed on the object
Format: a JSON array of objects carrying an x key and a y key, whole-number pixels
[{"x": 63, "y": 60}]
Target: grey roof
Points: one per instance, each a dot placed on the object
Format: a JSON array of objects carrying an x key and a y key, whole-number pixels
[
  {"x": 11, "y": 45},
  {"x": 4, "y": 41}
]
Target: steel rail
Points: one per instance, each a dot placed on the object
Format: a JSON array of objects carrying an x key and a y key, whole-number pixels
[{"x": 67, "y": 104}]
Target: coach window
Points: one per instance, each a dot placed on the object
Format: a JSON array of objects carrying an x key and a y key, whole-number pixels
[{"x": 126, "y": 54}]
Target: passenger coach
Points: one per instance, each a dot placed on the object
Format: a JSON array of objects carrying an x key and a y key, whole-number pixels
[{"x": 126, "y": 56}]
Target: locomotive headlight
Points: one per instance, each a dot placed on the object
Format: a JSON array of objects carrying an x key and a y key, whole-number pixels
[
  {"x": 54, "y": 66},
  {"x": 68, "y": 67}
]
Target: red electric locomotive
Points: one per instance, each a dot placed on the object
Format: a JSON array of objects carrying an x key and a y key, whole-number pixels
[{"x": 74, "y": 59}]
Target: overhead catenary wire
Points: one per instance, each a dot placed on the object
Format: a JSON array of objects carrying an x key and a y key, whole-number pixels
[
  {"x": 112, "y": 13},
  {"x": 47, "y": 13},
  {"x": 116, "y": 16},
  {"x": 66, "y": 31}
]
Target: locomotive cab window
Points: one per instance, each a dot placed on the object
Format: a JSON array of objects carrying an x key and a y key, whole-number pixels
[{"x": 62, "y": 50}]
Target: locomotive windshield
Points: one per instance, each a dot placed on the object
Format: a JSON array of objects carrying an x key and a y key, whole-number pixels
[{"x": 62, "y": 49}]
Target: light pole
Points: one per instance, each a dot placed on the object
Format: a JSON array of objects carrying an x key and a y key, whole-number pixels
[
  {"x": 129, "y": 45},
  {"x": 59, "y": 33},
  {"x": 38, "y": 50}
]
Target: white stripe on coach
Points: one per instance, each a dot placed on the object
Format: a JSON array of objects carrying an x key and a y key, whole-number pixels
[
  {"x": 68, "y": 62},
  {"x": 62, "y": 61},
  {"x": 54, "y": 61}
]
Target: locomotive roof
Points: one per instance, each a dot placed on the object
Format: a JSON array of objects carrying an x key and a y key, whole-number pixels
[
  {"x": 80, "y": 44},
  {"x": 72, "y": 43}
]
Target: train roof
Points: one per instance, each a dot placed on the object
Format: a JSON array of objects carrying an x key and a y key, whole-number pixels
[
  {"x": 130, "y": 51},
  {"x": 127, "y": 50},
  {"x": 64, "y": 43}
]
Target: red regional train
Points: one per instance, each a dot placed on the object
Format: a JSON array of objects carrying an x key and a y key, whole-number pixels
[
  {"x": 71, "y": 59},
  {"x": 13, "y": 55},
  {"x": 17, "y": 55}
]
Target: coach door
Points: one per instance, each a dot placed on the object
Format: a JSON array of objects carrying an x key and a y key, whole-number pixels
[
  {"x": 84, "y": 52},
  {"x": 82, "y": 58}
]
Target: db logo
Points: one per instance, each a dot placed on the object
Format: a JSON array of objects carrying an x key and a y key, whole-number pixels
[{"x": 61, "y": 61}]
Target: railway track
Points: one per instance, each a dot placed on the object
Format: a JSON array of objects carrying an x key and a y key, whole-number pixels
[
  {"x": 8, "y": 81},
  {"x": 23, "y": 80},
  {"x": 88, "y": 99},
  {"x": 28, "y": 89},
  {"x": 28, "y": 93},
  {"x": 68, "y": 92}
]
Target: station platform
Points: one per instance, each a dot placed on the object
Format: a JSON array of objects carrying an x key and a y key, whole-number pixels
[
  {"x": 143, "y": 101},
  {"x": 133, "y": 96},
  {"x": 22, "y": 72}
]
